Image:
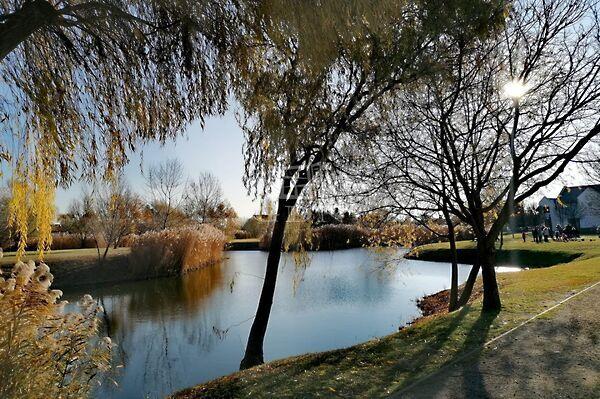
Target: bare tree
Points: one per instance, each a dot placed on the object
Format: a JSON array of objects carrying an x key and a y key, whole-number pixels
[
  {"x": 305, "y": 92},
  {"x": 165, "y": 182},
  {"x": 80, "y": 217},
  {"x": 483, "y": 146},
  {"x": 202, "y": 197},
  {"x": 116, "y": 210}
]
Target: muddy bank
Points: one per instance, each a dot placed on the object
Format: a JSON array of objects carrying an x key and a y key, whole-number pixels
[{"x": 436, "y": 304}]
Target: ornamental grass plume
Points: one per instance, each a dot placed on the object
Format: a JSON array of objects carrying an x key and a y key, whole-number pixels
[
  {"x": 176, "y": 251},
  {"x": 45, "y": 352}
]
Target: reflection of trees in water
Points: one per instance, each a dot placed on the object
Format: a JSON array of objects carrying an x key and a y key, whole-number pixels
[
  {"x": 355, "y": 276},
  {"x": 144, "y": 319},
  {"x": 185, "y": 295}
]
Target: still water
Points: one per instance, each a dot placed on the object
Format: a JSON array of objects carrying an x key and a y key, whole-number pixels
[{"x": 176, "y": 332}]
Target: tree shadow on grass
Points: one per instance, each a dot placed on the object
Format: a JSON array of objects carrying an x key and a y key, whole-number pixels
[
  {"x": 472, "y": 379},
  {"x": 370, "y": 360},
  {"x": 365, "y": 370}
]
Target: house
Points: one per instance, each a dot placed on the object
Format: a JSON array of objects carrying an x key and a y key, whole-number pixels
[{"x": 578, "y": 206}]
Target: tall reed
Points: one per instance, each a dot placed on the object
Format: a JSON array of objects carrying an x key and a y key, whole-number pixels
[
  {"x": 176, "y": 251},
  {"x": 45, "y": 352}
]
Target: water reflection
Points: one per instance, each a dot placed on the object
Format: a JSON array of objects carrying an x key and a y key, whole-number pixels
[{"x": 177, "y": 332}]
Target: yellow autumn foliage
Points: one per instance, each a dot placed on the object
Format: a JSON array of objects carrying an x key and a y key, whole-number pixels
[{"x": 32, "y": 198}]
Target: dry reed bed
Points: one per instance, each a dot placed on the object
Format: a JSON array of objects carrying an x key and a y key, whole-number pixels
[{"x": 176, "y": 251}]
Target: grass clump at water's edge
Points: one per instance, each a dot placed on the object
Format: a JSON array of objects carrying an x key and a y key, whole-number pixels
[{"x": 379, "y": 367}]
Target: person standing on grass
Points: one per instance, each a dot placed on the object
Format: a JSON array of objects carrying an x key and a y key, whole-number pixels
[
  {"x": 569, "y": 231},
  {"x": 535, "y": 233},
  {"x": 546, "y": 234},
  {"x": 524, "y": 234}
]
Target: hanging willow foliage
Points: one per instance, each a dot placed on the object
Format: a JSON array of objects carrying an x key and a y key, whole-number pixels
[
  {"x": 18, "y": 211},
  {"x": 42, "y": 208},
  {"x": 99, "y": 79},
  {"x": 32, "y": 206}
]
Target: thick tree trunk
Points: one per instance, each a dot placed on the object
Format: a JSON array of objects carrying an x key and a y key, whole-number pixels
[
  {"x": 20, "y": 25},
  {"x": 491, "y": 294},
  {"x": 469, "y": 284},
  {"x": 254, "y": 348}
]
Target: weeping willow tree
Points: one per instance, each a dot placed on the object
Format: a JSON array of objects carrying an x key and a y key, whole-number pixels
[
  {"x": 315, "y": 69},
  {"x": 84, "y": 82}
]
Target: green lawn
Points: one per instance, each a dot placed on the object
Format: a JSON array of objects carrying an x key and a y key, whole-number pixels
[
  {"x": 517, "y": 252},
  {"x": 244, "y": 240},
  {"x": 380, "y": 367}
]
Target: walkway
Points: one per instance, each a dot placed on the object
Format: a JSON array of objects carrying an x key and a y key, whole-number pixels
[{"x": 554, "y": 356}]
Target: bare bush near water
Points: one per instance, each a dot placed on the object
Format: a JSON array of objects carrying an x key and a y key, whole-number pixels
[{"x": 176, "y": 251}]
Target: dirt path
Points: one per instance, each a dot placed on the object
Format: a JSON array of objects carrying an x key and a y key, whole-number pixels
[{"x": 554, "y": 356}]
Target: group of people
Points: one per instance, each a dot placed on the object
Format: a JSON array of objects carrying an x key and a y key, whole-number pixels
[
  {"x": 544, "y": 233},
  {"x": 541, "y": 233}
]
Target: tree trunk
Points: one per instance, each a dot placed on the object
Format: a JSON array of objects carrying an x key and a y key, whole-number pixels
[
  {"x": 453, "y": 304},
  {"x": 468, "y": 288},
  {"x": 254, "y": 348},
  {"x": 105, "y": 253},
  {"x": 491, "y": 294},
  {"x": 20, "y": 25}
]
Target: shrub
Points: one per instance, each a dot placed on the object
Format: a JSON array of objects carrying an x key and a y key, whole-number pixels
[
  {"x": 256, "y": 227},
  {"x": 66, "y": 241},
  {"x": 328, "y": 237},
  {"x": 242, "y": 234},
  {"x": 340, "y": 236},
  {"x": 411, "y": 234},
  {"x": 176, "y": 251},
  {"x": 128, "y": 240},
  {"x": 63, "y": 241},
  {"x": 44, "y": 352}
]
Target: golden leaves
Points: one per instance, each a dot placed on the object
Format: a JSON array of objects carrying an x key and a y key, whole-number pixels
[
  {"x": 32, "y": 202},
  {"x": 42, "y": 209},
  {"x": 18, "y": 212}
]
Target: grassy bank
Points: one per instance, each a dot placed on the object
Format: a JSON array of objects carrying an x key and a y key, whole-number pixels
[
  {"x": 514, "y": 252},
  {"x": 243, "y": 244},
  {"x": 152, "y": 255},
  {"x": 75, "y": 267},
  {"x": 383, "y": 366}
]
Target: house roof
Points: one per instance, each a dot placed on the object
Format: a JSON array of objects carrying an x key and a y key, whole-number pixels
[{"x": 570, "y": 194}]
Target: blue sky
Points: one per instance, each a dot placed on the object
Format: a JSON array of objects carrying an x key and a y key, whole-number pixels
[{"x": 217, "y": 149}]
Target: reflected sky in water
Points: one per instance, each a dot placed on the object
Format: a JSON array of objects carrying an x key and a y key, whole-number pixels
[{"x": 176, "y": 332}]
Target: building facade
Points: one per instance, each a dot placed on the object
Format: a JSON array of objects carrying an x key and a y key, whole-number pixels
[{"x": 578, "y": 206}]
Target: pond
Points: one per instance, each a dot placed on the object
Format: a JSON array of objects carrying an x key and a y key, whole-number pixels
[{"x": 173, "y": 333}]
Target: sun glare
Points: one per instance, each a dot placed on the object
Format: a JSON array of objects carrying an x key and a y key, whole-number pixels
[{"x": 515, "y": 89}]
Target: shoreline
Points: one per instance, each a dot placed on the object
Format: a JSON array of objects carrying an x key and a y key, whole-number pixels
[{"x": 385, "y": 365}]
